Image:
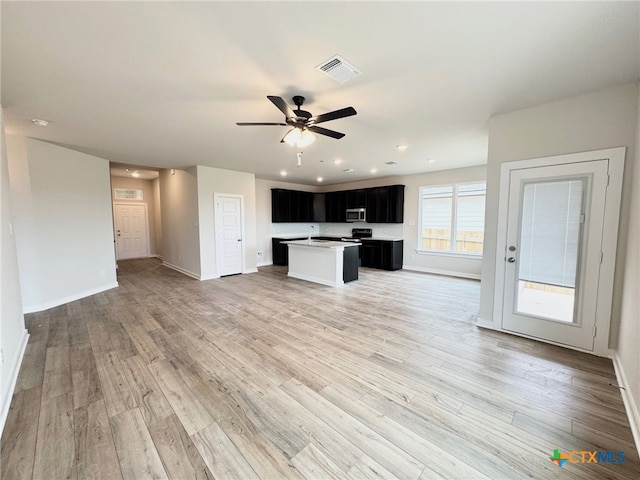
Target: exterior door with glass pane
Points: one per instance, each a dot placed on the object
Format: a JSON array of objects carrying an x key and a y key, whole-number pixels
[{"x": 553, "y": 253}]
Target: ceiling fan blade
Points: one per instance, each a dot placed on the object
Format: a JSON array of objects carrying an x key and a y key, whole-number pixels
[
  {"x": 325, "y": 117},
  {"x": 282, "y": 106},
  {"x": 325, "y": 131},
  {"x": 249, "y": 124}
]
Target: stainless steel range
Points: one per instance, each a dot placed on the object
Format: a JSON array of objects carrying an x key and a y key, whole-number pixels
[{"x": 357, "y": 234}]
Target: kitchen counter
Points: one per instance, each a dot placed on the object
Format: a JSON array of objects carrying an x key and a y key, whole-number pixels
[
  {"x": 326, "y": 262},
  {"x": 321, "y": 243}
]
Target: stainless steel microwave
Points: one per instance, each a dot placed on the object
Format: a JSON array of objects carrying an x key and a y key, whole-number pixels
[{"x": 356, "y": 214}]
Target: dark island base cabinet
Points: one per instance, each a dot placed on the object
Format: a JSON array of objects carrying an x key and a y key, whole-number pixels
[
  {"x": 382, "y": 254},
  {"x": 351, "y": 259}
]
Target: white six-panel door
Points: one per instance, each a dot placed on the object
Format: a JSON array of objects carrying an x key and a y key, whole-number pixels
[{"x": 132, "y": 237}]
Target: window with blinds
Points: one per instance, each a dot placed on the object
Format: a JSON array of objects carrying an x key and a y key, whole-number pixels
[{"x": 452, "y": 218}]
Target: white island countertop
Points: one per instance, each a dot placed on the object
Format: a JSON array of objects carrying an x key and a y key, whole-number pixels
[{"x": 321, "y": 243}]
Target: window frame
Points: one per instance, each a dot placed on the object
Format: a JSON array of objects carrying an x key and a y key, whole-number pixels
[{"x": 453, "y": 220}]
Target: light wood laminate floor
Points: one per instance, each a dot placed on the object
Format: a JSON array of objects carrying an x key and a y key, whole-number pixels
[{"x": 264, "y": 376}]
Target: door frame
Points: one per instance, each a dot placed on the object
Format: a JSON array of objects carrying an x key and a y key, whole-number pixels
[
  {"x": 146, "y": 223},
  {"x": 216, "y": 228},
  {"x": 616, "y": 157}
]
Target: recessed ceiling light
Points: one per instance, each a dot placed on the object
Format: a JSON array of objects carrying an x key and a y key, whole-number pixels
[
  {"x": 283, "y": 173},
  {"x": 391, "y": 163},
  {"x": 126, "y": 169},
  {"x": 337, "y": 161},
  {"x": 135, "y": 174},
  {"x": 431, "y": 160},
  {"x": 320, "y": 179},
  {"x": 348, "y": 170},
  {"x": 373, "y": 170},
  {"x": 38, "y": 122},
  {"x": 402, "y": 148}
]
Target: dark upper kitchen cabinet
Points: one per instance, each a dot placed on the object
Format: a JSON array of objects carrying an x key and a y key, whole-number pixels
[
  {"x": 291, "y": 206},
  {"x": 336, "y": 207},
  {"x": 319, "y": 207},
  {"x": 357, "y": 198},
  {"x": 385, "y": 204}
]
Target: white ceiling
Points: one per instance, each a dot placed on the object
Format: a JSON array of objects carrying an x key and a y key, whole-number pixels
[{"x": 161, "y": 84}]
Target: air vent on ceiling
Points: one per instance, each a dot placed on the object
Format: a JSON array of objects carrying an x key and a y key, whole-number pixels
[
  {"x": 338, "y": 69},
  {"x": 391, "y": 162}
]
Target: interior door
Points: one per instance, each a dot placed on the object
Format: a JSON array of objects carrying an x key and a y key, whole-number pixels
[
  {"x": 553, "y": 252},
  {"x": 132, "y": 240},
  {"x": 229, "y": 234}
]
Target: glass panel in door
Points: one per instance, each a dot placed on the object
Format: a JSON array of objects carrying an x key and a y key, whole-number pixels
[{"x": 550, "y": 238}]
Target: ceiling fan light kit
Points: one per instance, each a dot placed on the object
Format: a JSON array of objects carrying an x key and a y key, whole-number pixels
[{"x": 298, "y": 137}]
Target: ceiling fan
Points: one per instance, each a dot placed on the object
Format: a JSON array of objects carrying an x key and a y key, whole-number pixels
[{"x": 303, "y": 123}]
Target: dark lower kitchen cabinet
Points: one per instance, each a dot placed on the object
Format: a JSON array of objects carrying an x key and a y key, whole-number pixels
[
  {"x": 382, "y": 254},
  {"x": 280, "y": 251}
]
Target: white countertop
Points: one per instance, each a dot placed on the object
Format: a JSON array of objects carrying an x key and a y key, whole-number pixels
[{"x": 321, "y": 243}]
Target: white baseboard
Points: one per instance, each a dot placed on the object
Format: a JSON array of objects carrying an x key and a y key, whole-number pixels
[
  {"x": 265, "y": 264},
  {"x": 70, "y": 298},
  {"x": 448, "y": 273},
  {"x": 251, "y": 270},
  {"x": 630, "y": 404},
  {"x": 182, "y": 270},
  {"x": 7, "y": 394},
  {"x": 310, "y": 278}
]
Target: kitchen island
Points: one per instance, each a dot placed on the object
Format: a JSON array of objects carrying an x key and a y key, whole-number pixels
[{"x": 326, "y": 262}]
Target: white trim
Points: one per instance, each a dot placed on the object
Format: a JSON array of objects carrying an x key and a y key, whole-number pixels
[
  {"x": 448, "y": 273},
  {"x": 490, "y": 326},
  {"x": 266, "y": 264},
  {"x": 182, "y": 270},
  {"x": 67, "y": 299},
  {"x": 216, "y": 219},
  {"x": 210, "y": 277},
  {"x": 442, "y": 253},
  {"x": 630, "y": 405},
  {"x": 146, "y": 222},
  {"x": 616, "y": 157},
  {"x": 310, "y": 278},
  {"x": 454, "y": 216},
  {"x": 15, "y": 369},
  {"x": 250, "y": 270}
]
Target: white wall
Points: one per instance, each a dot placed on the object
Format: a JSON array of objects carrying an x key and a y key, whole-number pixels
[
  {"x": 179, "y": 214},
  {"x": 628, "y": 357},
  {"x": 217, "y": 180},
  {"x": 148, "y": 197},
  {"x": 64, "y": 229},
  {"x": 598, "y": 120},
  {"x": 13, "y": 335}
]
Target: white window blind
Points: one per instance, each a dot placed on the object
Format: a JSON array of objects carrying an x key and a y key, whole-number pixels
[{"x": 452, "y": 218}]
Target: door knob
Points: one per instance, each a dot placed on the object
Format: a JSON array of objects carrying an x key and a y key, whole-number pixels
[{"x": 511, "y": 259}]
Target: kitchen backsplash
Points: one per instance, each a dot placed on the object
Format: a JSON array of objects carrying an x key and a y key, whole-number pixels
[{"x": 380, "y": 230}]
